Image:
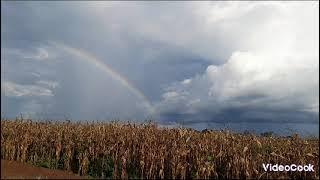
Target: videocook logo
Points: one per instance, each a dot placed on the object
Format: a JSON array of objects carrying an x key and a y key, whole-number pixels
[{"x": 292, "y": 167}]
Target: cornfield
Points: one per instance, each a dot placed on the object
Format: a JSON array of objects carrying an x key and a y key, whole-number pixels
[{"x": 126, "y": 150}]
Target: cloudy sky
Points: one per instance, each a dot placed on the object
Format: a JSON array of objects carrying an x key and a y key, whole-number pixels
[{"x": 175, "y": 62}]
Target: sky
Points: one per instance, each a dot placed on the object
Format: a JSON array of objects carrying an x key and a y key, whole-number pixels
[{"x": 196, "y": 64}]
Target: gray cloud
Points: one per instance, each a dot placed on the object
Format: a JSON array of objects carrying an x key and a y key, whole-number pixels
[
  {"x": 249, "y": 87},
  {"x": 17, "y": 90},
  {"x": 197, "y": 62}
]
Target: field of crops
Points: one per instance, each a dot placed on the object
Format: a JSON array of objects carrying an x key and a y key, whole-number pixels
[{"x": 119, "y": 150}]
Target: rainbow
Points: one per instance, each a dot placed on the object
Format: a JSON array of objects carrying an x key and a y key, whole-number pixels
[{"x": 106, "y": 68}]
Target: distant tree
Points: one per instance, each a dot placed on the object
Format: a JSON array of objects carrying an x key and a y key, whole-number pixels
[
  {"x": 206, "y": 131},
  {"x": 246, "y": 132},
  {"x": 267, "y": 134}
]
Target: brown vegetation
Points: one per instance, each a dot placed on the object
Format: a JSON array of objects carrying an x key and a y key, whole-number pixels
[{"x": 145, "y": 151}]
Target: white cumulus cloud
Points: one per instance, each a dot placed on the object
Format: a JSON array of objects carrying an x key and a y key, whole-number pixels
[{"x": 274, "y": 65}]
